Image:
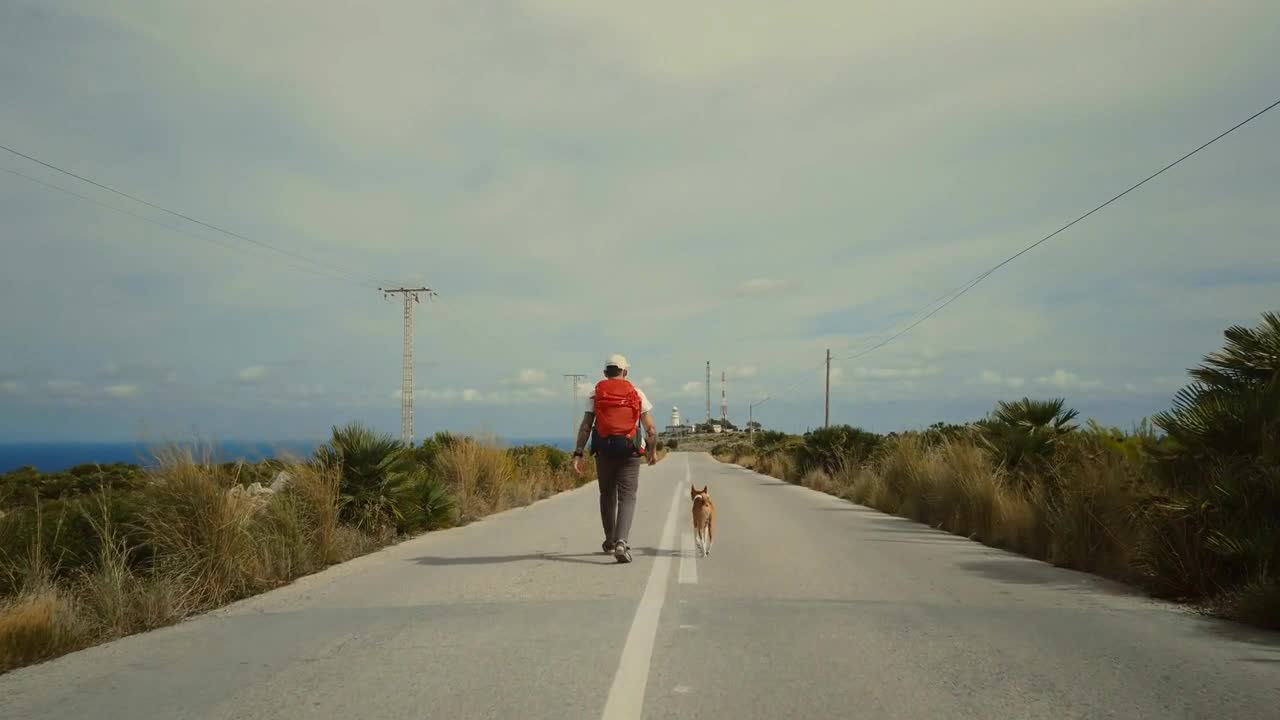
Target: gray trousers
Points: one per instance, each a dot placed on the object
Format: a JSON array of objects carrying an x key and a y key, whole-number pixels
[{"x": 618, "y": 480}]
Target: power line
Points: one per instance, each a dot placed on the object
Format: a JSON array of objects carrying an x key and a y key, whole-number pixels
[
  {"x": 175, "y": 213},
  {"x": 953, "y": 295},
  {"x": 153, "y": 221},
  {"x": 793, "y": 385},
  {"x": 968, "y": 286}
]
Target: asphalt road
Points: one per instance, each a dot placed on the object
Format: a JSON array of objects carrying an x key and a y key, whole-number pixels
[{"x": 808, "y": 607}]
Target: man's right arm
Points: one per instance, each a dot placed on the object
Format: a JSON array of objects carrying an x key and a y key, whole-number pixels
[
  {"x": 651, "y": 435},
  {"x": 584, "y": 431}
]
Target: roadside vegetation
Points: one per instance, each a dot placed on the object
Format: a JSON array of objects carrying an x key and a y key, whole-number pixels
[
  {"x": 98, "y": 552},
  {"x": 1186, "y": 506}
]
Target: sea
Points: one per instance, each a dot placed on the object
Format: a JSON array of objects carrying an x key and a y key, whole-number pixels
[{"x": 57, "y": 456}]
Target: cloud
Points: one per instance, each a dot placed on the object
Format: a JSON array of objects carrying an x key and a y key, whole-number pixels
[
  {"x": 833, "y": 216},
  {"x": 893, "y": 373},
  {"x": 253, "y": 374},
  {"x": 991, "y": 377},
  {"x": 694, "y": 387},
  {"x": 11, "y": 386},
  {"x": 121, "y": 391},
  {"x": 452, "y": 397},
  {"x": 1167, "y": 382},
  {"x": 531, "y": 377},
  {"x": 1068, "y": 381},
  {"x": 741, "y": 373},
  {"x": 138, "y": 373},
  {"x": 1130, "y": 387},
  {"x": 763, "y": 286},
  {"x": 648, "y": 382}
]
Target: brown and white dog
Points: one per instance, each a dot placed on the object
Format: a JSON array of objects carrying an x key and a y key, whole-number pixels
[{"x": 704, "y": 519}]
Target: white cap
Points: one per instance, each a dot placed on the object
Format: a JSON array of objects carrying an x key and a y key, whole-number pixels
[{"x": 618, "y": 361}]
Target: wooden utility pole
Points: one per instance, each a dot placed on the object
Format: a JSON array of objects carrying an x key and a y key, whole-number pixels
[
  {"x": 826, "y": 415},
  {"x": 751, "y": 415}
]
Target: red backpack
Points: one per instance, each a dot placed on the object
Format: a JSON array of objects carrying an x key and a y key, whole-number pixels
[{"x": 617, "y": 411}]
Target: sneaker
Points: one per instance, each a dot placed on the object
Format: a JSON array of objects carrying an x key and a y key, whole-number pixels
[
  {"x": 621, "y": 552},
  {"x": 606, "y": 547}
]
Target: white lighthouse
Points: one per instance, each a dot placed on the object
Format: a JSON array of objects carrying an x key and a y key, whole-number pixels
[{"x": 675, "y": 428}]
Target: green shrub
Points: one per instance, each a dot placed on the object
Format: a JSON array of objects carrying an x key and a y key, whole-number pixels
[
  {"x": 64, "y": 529},
  {"x": 547, "y": 456},
  {"x": 768, "y": 439},
  {"x": 828, "y": 448},
  {"x": 26, "y": 485},
  {"x": 939, "y": 433}
]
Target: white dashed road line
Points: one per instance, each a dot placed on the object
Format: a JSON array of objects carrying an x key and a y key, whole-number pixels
[
  {"x": 688, "y": 559},
  {"x": 626, "y": 696}
]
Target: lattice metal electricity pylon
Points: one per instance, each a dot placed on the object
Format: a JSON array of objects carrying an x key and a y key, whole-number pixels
[
  {"x": 724, "y": 400},
  {"x": 708, "y": 388},
  {"x": 577, "y": 414},
  {"x": 410, "y": 296}
]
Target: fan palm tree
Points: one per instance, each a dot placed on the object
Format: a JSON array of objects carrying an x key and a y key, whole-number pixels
[
  {"x": 1222, "y": 464},
  {"x": 376, "y": 470},
  {"x": 1026, "y": 430},
  {"x": 1232, "y": 409}
]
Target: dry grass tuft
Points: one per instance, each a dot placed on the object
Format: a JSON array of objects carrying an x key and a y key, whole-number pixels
[
  {"x": 1082, "y": 519},
  {"x": 779, "y": 465},
  {"x": 39, "y": 624},
  {"x": 822, "y": 482},
  {"x": 202, "y": 533},
  {"x": 480, "y": 475},
  {"x": 1090, "y": 513}
]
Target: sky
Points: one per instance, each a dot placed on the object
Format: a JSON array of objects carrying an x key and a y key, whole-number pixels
[{"x": 747, "y": 183}]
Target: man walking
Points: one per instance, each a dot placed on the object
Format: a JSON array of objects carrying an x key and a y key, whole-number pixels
[{"x": 615, "y": 410}]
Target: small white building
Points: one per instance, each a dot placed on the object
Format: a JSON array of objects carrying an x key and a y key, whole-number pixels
[{"x": 675, "y": 416}]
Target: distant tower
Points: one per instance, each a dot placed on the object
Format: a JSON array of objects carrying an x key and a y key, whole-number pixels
[
  {"x": 708, "y": 391},
  {"x": 675, "y": 416},
  {"x": 724, "y": 403}
]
